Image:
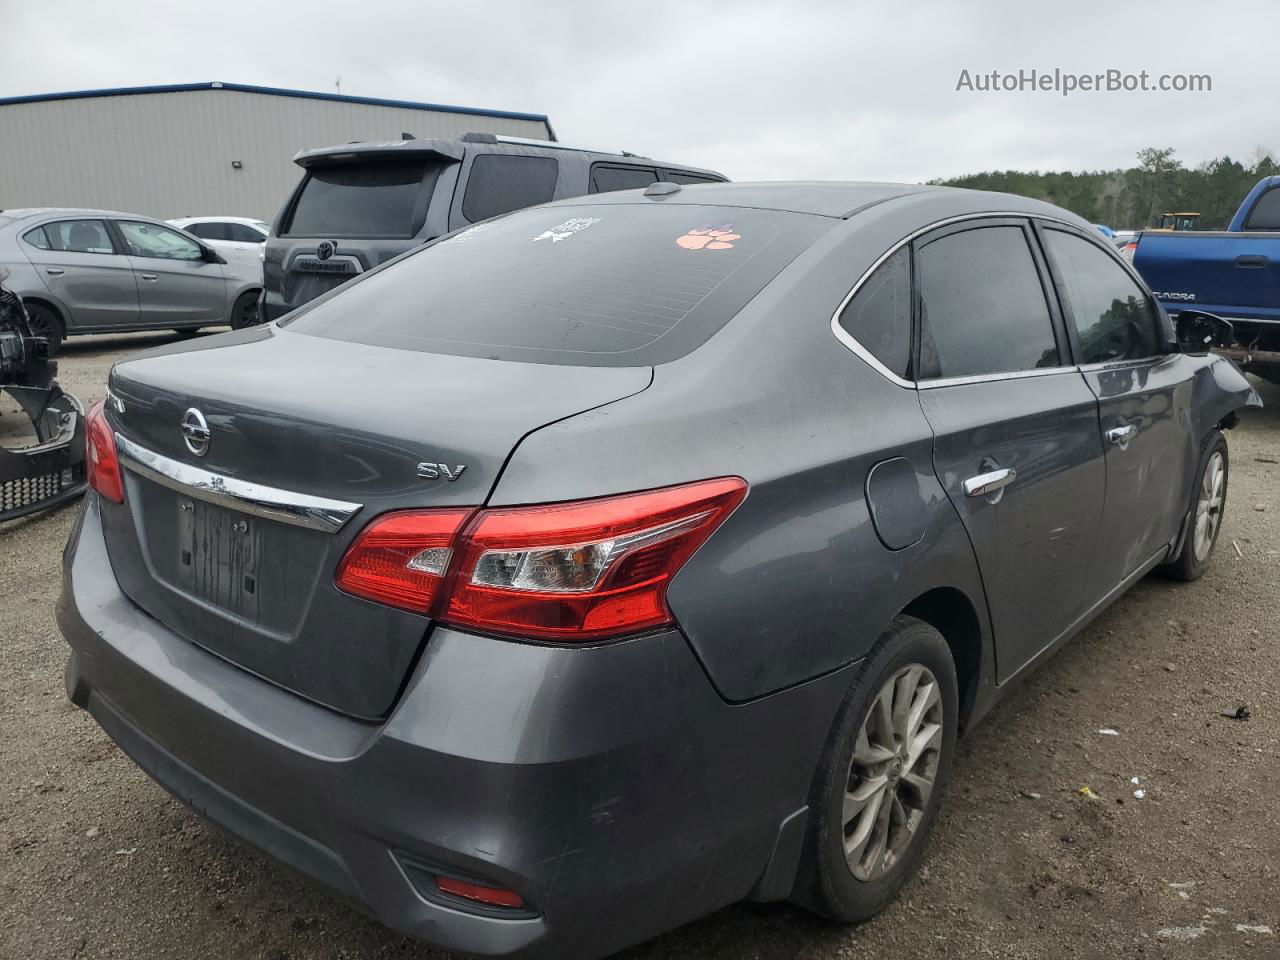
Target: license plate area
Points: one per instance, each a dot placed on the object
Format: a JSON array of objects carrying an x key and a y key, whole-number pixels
[{"x": 218, "y": 554}]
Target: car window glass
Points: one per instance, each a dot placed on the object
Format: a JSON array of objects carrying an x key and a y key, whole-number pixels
[
  {"x": 363, "y": 200},
  {"x": 606, "y": 178},
  {"x": 673, "y": 177},
  {"x": 37, "y": 238},
  {"x": 603, "y": 285},
  {"x": 243, "y": 234},
  {"x": 209, "y": 230},
  {"x": 982, "y": 306},
  {"x": 500, "y": 183},
  {"x": 1265, "y": 214},
  {"x": 1111, "y": 314},
  {"x": 879, "y": 315},
  {"x": 157, "y": 242},
  {"x": 79, "y": 236}
]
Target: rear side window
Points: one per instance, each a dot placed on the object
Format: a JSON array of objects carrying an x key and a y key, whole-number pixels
[
  {"x": 606, "y": 285},
  {"x": 879, "y": 315},
  {"x": 1265, "y": 214},
  {"x": 983, "y": 308},
  {"x": 500, "y": 183},
  {"x": 605, "y": 178},
  {"x": 78, "y": 236},
  {"x": 208, "y": 231},
  {"x": 383, "y": 200},
  {"x": 673, "y": 176},
  {"x": 1111, "y": 314},
  {"x": 37, "y": 238}
]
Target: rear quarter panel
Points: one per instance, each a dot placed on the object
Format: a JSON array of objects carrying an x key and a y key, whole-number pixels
[{"x": 797, "y": 582}]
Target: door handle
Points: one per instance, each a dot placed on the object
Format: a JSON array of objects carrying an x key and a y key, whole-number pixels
[
  {"x": 149, "y": 276},
  {"x": 54, "y": 271},
  {"x": 989, "y": 482},
  {"x": 1252, "y": 261},
  {"x": 1121, "y": 435}
]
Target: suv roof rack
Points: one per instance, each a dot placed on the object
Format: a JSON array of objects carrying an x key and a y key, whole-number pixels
[{"x": 548, "y": 144}]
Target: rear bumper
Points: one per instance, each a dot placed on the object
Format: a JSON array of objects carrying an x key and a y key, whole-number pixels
[{"x": 609, "y": 786}]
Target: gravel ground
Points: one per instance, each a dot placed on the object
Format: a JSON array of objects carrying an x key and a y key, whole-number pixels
[{"x": 97, "y": 861}]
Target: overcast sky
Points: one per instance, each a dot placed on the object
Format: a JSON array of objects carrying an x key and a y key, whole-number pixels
[{"x": 755, "y": 90}]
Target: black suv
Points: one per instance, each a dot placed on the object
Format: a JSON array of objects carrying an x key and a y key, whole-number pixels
[{"x": 360, "y": 204}]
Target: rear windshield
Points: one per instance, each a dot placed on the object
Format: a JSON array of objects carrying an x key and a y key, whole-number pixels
[
  {"x": 381, "y": 200},
  {"x": 604, "y": 285}
]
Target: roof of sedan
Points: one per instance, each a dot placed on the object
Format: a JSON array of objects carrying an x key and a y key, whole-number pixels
[
  {"x": 28, "y": 213},
  {"x": 840, "y": 199}
]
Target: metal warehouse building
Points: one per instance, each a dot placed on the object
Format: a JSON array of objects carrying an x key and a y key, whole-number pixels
[{"x": 201, "y": 148}]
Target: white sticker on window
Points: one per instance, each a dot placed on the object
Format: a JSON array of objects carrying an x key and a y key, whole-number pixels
[{"x": 566, "y": 229}]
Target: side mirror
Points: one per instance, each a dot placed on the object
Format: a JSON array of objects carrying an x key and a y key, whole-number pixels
[
  {"x": 1198, "y": 332},
  {"x": 210, "y": 255}
]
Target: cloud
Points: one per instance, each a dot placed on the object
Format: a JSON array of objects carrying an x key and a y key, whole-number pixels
[{"x": 757, "y": 90}]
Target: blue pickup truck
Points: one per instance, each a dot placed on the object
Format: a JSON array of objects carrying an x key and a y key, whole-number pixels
[{"x": 1233, "y": 273}]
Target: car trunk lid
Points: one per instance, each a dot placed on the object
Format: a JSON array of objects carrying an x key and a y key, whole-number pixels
[{"x": 308, "y": 439}]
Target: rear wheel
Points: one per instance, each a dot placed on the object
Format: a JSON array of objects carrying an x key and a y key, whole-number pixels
[
  {"x": 46, "y": 323},
  {"x": 1204, "y": 516},
  {"x": 245, "y": 312},
  {"x": 881, "y": 775}
]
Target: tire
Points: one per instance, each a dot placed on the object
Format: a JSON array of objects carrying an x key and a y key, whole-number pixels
[
  {"x": 1197, "y": 550},
  {"x": 245, "y": 311},
  {"x": 46, "y": 323},
  {"x": 852, "y": 889}
]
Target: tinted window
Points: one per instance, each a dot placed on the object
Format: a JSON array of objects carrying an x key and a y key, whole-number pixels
[
  {"x": 1265, "y": 214},
  {"x": 208, "y": 230},
  {"x": 879, "y": 315},
  {"x": 385, "y": 200},
  {"x": 607, "y": 285},
  {"x": 1111, "y": 313},
  {"x": 500, "y": 183},
  {"x": 79, "y": 236},
  {"x": 157, "y": 242},
  {"x": 606, "y": 178},
  {"x": 983, "y": 308},
  {"x": 243, "y": 234},
  {"x": 673, "y": 177}
]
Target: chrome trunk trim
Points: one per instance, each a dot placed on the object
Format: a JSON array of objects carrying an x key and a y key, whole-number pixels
[{"x": 298, "y": 509}]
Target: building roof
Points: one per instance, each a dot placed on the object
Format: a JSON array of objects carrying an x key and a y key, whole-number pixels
[{"x": 275, "y": 92}]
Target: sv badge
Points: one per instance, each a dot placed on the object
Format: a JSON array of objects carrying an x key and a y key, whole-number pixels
[{"x": 434, "y": 471}]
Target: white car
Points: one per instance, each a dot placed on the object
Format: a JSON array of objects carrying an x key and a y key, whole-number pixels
[{"x": 239, "y": 238}]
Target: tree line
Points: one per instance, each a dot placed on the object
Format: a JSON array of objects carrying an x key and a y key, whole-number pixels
[{"x": 1136, "y": 197}]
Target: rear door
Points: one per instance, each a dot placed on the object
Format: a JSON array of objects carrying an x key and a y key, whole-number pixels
[
  {"x": 176, "y": 285},
  {"x": 82, "y": 267},
  {"x": 1143, "y": 394},
  {"x": 1016, "y": 443}
]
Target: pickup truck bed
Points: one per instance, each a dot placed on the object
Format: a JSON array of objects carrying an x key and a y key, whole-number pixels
[{"x": 1234, "y": 273}]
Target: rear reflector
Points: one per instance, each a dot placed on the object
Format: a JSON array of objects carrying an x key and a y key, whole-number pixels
[
  {"x": 566, "y": 572},
  {"x": 104, "y": 465},
  {"x": 401, "y": 558},
  {"x": 493, "y": 896}
]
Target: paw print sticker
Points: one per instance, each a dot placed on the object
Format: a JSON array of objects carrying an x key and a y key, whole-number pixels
[{"x": 709, "y": 237}]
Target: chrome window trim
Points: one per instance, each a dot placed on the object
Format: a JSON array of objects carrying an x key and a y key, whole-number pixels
[
  {"x": 1125, "y": 362},
  {"x": 993, "y": 377},
  {"x": 298, "y": 509},
  {"x": 851, "y": 343}
]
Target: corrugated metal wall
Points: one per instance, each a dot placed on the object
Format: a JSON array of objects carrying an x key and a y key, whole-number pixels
[{"x": 170, "y": 154}]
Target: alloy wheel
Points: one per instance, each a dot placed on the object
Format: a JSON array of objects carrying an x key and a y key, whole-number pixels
[
  {"x": 893, "y": 771},
  {"x": 1213, "y": 489}
]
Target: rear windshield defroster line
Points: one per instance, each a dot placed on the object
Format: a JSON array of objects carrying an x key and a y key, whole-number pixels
[{"x": 606, "y": 285}]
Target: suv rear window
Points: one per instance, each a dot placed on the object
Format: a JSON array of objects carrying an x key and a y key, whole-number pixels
[
  {"x": 597, "y": 285},
  {"x": 384, "y": 200}
]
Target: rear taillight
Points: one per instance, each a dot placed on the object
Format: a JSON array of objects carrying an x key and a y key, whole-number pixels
[
  {"x": 104, "y": 465},
  {"x": 565, "y": 572},
  {"x": 400, "y": 559}
]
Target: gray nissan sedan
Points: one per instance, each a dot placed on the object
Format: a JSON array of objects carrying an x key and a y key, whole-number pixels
[{"x": 618, "y": 559}]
